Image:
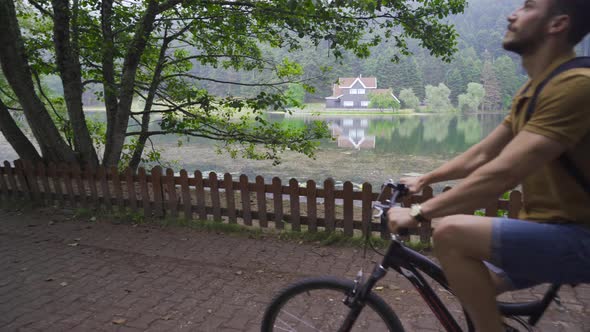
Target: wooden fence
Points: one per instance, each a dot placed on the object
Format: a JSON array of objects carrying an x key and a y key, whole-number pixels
[{"x": 163, "y": 194}]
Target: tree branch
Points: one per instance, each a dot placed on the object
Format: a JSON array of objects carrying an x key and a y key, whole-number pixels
[
  {"x": 40, "y": 8},
  {"x": 224, "y": 82},
  {"x": 38, "y": 80}
]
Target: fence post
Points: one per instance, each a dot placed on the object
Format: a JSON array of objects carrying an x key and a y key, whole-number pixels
[
  {"x": 245, "y": 194},
  {"x": 10, "y": 177},
  {"x": 312, "y": 206},
  {"x": 294, "y": 205},
  {"x": 19, "y": 169},
  {"x": 76, "y": 174},
  {"x": 261, "y": 200},
  {"x": 277, "y": 196},
  {"x": 186, "y": 195},
  {"x": 367, "y": 208},
  {"x": 329, "y": 205},
  {"x": 90, "y": 176},
  {"x": 101, "y": 174},
  {"x": 3, "y": 185},
  {"x": 67, "y": 178},
  {"x": 171, "y": 198},
  {"x": 57, "y": 184},
  {"x": 42, "y": 174},
  {"x": 348, "y": 208},
  {"x": 116, "y": 183},
  {"x": 157, "y": 190},
  {"x": 200, "y": 187},
  {"x": 515, "y": 204},
  {"x": 145, "y": 193},
  {"x": 32, "y": 182},
  {"x": 215, "y": 200},
  {"x": 131, "y": 194},
  {"x": 228, "y": 184}
]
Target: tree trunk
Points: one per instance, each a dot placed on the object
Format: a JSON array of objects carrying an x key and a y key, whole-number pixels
[
  {"x": 116, "y": 131},
  {"x": 68, "y": 64},
  {"x": 18, "y": 74},
  {"x": 19, "y": 142},
  {"x": 145, "y": 119},
  {"x": 108, "y": 72}
]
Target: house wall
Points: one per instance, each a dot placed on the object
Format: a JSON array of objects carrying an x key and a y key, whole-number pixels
[
  {"x": 333, "y": 103},
  {"x": 356, "y": 99}
]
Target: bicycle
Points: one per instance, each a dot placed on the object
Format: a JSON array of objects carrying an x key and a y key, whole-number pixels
[{"x": 363, "y": 309}]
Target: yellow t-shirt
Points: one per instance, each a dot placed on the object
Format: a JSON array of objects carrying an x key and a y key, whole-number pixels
[{"x": 562, "y": 113}]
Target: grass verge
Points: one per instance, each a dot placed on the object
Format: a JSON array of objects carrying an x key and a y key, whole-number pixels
[{"x": 321, "y": 237}]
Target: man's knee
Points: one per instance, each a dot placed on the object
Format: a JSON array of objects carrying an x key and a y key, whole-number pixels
[
  {"x": 465, "y": 235},
  {"x": 448, "y": 231}
]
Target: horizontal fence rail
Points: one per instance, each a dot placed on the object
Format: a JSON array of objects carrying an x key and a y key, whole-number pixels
[{"x": 252, "y": 202}]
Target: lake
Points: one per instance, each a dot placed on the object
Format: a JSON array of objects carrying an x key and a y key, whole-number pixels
[{"x": 371, "y": 148}]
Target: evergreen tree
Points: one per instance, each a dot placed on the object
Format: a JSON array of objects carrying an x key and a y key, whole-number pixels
[
  {"x": 493, "y": 97},
  {"x": 414, "y": 79},
  {"x": 508, "y": 78},
  {"x": 469, "y": 65},
  {"x": 455, "y": 82}
]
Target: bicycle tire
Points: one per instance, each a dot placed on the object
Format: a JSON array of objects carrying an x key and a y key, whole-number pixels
[{"x": 304, "y": 287}]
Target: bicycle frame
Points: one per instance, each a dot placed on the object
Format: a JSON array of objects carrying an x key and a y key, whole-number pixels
[{"x": 409, "y": 263}]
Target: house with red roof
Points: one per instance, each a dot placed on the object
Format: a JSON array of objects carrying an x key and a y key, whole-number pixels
[{"x": 353, "y": 92}]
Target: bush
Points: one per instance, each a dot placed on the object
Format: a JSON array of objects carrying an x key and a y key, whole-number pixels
[{"x": 383, "y": 101}]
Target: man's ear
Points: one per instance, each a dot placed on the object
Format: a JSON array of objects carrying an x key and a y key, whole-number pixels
[{"x": 559, "y": 24}]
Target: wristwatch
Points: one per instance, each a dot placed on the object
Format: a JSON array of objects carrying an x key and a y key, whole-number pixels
[{"x": 416, "y": 213}]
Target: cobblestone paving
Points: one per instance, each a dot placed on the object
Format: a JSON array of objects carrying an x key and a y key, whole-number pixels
[{"x": 59, "y": 274}]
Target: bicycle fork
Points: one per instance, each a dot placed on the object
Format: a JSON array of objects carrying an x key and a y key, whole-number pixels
[{"x": 356, "y": 300}]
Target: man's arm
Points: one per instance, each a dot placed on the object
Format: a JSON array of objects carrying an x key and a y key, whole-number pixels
[
  {"x": 470, "y": 160},
  {"x": 525, "y": 154}
]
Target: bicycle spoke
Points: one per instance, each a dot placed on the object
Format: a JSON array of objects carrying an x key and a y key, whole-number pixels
[
  {"x": 290, "y": 328},
  {"x": 300, "y": 320}
]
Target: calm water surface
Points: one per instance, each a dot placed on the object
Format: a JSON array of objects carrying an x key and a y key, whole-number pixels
[{"x": 365, "y": 148}]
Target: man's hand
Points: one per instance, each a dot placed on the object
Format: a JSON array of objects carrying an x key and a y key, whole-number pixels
[
  {"x": 400, "y": 217},
  {"x": 414, "y": 184}
]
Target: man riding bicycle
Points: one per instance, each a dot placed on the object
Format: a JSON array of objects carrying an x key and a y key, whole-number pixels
[{"x": 550, "y": 242}]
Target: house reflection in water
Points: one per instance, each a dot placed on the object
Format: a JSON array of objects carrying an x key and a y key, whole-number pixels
[{"x": 351, "y": 133}]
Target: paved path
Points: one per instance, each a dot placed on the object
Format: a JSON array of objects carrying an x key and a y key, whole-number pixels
[{"x": 59, "y": 274}]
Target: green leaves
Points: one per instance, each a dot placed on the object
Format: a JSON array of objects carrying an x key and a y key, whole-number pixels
[{"x": 185, "y": 45}]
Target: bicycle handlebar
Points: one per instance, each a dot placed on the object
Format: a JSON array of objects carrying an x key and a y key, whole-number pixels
[{"x": 398, "y": 190}]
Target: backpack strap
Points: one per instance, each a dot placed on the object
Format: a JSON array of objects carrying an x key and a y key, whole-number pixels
[{"x": 564, "y": 159}]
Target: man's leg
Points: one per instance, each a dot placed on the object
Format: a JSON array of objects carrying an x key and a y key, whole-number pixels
[{"x": 462, "y": 243}]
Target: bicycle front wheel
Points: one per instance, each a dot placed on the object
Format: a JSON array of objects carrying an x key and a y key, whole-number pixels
[{"x": 316, "y": 304}]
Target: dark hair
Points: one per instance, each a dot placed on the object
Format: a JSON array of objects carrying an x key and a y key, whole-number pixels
[{"x": 578, "y": 11}]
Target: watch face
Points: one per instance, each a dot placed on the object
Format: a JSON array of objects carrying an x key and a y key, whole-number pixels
[{"x": 414, "y": 210}]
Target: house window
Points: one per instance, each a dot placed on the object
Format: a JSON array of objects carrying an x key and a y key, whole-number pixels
[
  {"x": 348, "y": 103},
  {"x": 353, "y": 91},
  {"x": 361, "y": 91},
  {"x": 356, "y": 133},
  {"x": 365, "y": 103}
]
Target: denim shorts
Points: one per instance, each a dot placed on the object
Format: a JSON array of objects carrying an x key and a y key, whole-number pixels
[{"x": 528, "y": 253}]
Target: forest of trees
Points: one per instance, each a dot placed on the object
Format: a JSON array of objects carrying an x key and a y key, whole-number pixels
[{"x": 480, "y": 59}]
